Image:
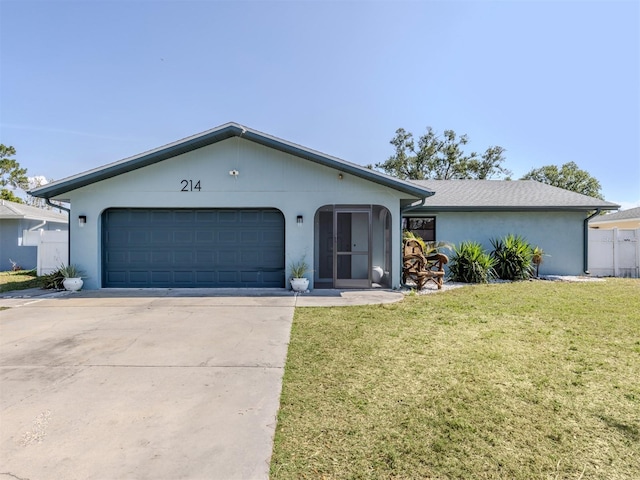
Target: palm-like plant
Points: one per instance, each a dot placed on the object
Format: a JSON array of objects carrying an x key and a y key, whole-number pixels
[
  {"x": 428, "y": 248},
  {"x": 514, "y": 257},
  {"x": 471, "y": 264}
]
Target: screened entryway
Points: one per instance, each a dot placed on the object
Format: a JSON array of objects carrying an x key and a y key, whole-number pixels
[
  {"x": 190, "y": 248},
  {"x": 352, "y": 246}
]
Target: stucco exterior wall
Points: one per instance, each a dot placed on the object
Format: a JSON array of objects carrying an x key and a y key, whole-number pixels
[
  {"x": 559, "y": 234},
  {"x": 266, "y": 178}
]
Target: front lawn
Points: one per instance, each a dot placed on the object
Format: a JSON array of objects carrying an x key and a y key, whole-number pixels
[
  {"x": 528, "y": 380},
  {"x": 19, "y": 280}
]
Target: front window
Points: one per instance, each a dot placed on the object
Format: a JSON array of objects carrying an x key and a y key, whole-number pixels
[{"x": 424, "y": 227}]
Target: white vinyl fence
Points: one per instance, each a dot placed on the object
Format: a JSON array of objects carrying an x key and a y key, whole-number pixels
[
  {"x": 53, "y": 248},
  {"x": 614, "y": 253}
]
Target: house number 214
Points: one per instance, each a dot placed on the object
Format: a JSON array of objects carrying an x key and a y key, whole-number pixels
[{"x": 190, "y": 185}]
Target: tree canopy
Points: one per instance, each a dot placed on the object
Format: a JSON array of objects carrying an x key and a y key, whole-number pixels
[
  {"x": 569, "y": 176},
  {"x": 11, "y": 174},
  {"x": 441, "y": 158}
]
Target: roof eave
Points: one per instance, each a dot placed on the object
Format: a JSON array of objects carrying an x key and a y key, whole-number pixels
[{"x": 212, "y": 136}]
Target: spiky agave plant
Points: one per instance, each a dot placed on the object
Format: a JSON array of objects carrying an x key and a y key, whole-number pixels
[
  {"x": 471, "y": 264},
  {"x": 513, "y": 256}
]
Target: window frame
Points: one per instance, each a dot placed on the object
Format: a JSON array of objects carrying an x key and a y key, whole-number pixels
[{"x": 406, "y": 222}]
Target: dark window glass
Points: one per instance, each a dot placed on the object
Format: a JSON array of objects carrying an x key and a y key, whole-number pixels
[{"x": 424, "y": 227}]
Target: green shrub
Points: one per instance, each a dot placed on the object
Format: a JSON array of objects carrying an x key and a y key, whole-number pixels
[
  {"x": 53, "y": 280},
  {"x": 514, "y": 258},
  {"x": 471, "y": 264}
]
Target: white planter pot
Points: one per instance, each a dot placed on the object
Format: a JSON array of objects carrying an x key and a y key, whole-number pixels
[
  {"x": 299, "y": 284},
  {"x": 72, "y": 284}
]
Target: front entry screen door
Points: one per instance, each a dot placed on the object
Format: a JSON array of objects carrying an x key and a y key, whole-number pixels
[{"x": 352, "y": 248}]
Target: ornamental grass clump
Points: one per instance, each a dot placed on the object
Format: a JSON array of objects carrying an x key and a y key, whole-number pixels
[
  {"x": 514, "y": 258},
  {"x": 471, "y": 264}
]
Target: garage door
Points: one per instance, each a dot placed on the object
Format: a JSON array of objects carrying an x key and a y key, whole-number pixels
[{"x": 183, "y": 248}]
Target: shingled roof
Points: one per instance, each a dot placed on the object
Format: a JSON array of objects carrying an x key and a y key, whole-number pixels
[
  {"x": 469, "y": 195},
  {"x": 220, "y": 133},
  {"x": 17, "y": 211},
  {"x": 631, "y": 214}
]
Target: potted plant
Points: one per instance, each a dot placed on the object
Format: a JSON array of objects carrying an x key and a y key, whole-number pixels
[
  {"x": 298, "y": 270},
  {"x": 72, "y": 277},
  {"x": 537, "y": 258}
]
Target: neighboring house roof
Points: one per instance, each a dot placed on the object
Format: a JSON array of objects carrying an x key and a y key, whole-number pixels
[
  {"x": 624, "y": 215},
  {"x": 13, "y": 210},
  {"x": 218, "y": 134},
  {"x": 469, "y": 195}
]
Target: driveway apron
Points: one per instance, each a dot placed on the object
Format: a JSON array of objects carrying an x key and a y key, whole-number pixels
[{"x": 146, "y": 385}]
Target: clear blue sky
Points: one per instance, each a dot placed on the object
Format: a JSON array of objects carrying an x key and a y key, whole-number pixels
[{"x": 85, "y": 83}]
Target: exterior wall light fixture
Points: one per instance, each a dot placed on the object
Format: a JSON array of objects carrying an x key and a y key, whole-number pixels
[
  {"x": 82, "y": 220},
  {"x": 299, "y": 220}
]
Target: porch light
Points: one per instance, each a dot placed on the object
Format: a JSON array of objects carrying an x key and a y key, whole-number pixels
[
  {"x": 82, "y": 220},
  {"x": 299, "y": 220}
]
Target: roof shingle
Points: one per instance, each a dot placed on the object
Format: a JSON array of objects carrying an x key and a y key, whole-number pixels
[
  {"x": 506, "y": 194},
  {"x": 15, "y": 210},
  {"x": 630, "y": 214}
]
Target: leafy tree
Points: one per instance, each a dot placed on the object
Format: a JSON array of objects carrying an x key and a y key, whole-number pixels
[
  {"x": 441, "y": 158},
  {"x": 35, "y": 182},
  {"x": 6, "y": 194},
  {"x": 569, "y": 176},
  {"x": 10, "y": 172}
]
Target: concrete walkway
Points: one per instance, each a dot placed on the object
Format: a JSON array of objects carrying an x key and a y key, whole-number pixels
[{"x": 146, "y": 384}]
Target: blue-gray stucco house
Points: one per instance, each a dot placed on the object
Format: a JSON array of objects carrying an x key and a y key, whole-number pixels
[
  {"x": 234, "y": 207},
  {"x": 15, "y": 219}
]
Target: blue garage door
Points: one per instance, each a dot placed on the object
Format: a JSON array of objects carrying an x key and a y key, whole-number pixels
[{"x": 182, "y": 248}]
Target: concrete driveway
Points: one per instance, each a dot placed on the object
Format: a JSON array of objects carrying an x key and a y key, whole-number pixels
[{"x": 141, "y": 385}]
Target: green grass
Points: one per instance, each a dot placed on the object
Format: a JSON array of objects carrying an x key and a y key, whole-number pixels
[
  {"x": 529, "y": 380},
  {"x": 19, "y": 280}
]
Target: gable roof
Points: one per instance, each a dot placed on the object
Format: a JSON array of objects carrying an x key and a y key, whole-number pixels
[
  {"x": 470, "y": 195},
  {"x": 217, "y": 134},
  {"x": 630, "y": 214},
  {"x": 17, "y": 211}
]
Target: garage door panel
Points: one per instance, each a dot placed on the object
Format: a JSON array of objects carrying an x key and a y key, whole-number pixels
[
  {"x": 206, "y": 277},
  {"x": 117, "y": 276},
  {"x": 225, "y": 277},
  {"x": 161, "y": 216},
  {"x": 204, "y": 236},
  {"x": 193, "y": 248},
  {"x": 227, "y": 257},
  {"x": 161, "y": 276},
  {"x": 229, "y": 216},
  {"x": 138, "y": 257},
  {"x": 139, "y": 277},
  {"x": 160, "y": 236},
  {"x": 183, "y": 258},
  {"x": 138, "y": 216}
]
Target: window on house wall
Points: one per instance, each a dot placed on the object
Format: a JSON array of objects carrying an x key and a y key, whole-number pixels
[{"x": 425, "y": 227}]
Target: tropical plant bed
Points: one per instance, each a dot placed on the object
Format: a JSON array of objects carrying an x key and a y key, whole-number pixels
[{"x": 513, "y": 380}]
